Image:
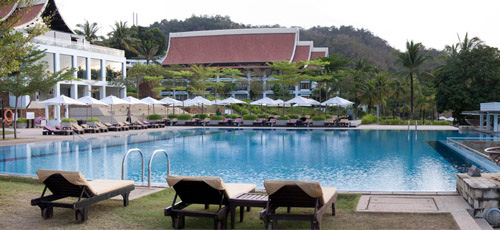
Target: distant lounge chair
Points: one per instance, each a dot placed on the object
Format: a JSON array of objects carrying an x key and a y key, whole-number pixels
[
  {"x": 150, "y": 125},
  {"x": 135, "y": 125},
  {"x": 260, "y": 121},
  {"x": 303, "y": 194},
  {"x": 344, "y": 122},
  {"x": 292, "y": 122},
  {"x": 102, "y": 127},
  {"x": 49, "y": 131},
  {"x": 63, "y": 184},
  {"x": 77, "y": 129},
  {"x": 272, "y": 122},
  {"x": 202, "y": 190},
  {"x": 238, "y": 121},
  {"x": 113, "y": 127},
  {"x": 89, "y": 129}
]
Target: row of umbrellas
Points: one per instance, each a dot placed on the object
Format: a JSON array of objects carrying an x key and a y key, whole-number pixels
[{"x": 197, "y": 101}]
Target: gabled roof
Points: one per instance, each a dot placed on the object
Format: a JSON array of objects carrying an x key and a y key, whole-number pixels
[
  {"x": 232, "y": 46},
  {"x": 34, "y": 14},
  {"x": 319, "y": 52},
  {"x": 303, "y": 51}
]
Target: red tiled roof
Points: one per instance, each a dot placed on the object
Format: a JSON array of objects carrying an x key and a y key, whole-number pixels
[
  {"x": 6, "y": 10},
  {"x": 29, "y": 13},
  {"x": 302, "y": 53},
  {"x": 315, "y": 55},
  {"x": 231, "y": 48}
]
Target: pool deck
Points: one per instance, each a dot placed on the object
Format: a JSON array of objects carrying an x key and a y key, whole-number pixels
[{"x": 26, "y": 136}]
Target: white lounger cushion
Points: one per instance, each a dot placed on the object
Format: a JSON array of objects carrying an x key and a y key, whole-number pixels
[
  {"x": 231, "y": 190},
  {"x": 311, "y": 188},
  {"x": 328, "y": 194},
  {"x": 99, "y": 187}
]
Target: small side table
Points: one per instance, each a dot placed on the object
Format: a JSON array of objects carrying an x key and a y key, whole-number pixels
[{"x": 246, "y": 200}]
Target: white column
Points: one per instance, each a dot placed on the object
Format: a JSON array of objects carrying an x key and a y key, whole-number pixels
[
  {"x": 296, "y": 90},
  {"x": 57, "y": 62},
  {"x": 103, "y": 70},
  {"x": 74, "y": 91},
  {"x": 57, "y": 108},
  {"x": 481, "y": 121},
  {"x": 88, "y": 68},
  {"x": 264, "y": 81},
  {"x": 488, "y": 123},
  {"x": 103, "y": 92},
  {"x": 249, "y": 78},
  {"x": 66, "y": 111},
  {"x": 495, "y": 123},
  {"x": 124, "y": 75},
  {"x": 73, "y": 64},
  {"x": 47, "y": 112},
  {"x": 87, "y": 91}
]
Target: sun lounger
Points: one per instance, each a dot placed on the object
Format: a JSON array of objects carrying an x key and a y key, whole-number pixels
[
  {"x": 150, "y": 125},
  {"x": 202, "y": 190},
  {"x": 63, "y": 184},
  {"x": 238, "y": 121},
  {"x": 102, "y": 127},
  {"x": 260, "y": 121},
  {"x": 77, "y": 129},
  {"x": 89, "y": 129},
  {"x": 135, "y": 125},
  {"x": 114, "y": 127},
  {"x": 272, "y": 122},
  {"x": 303, "y": 194},
  {"x": 292, "y": 122},
  {"x": 344, "y": 122},
  {"x": 127, "y": 126},
  {"x": 49, "y": 131},
  {"x": 226, "y": 121}
]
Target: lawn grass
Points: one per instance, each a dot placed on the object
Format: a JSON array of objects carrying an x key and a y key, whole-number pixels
[
  {"x": 147, "y": 213},
  {"x": 6, "y": 132}
]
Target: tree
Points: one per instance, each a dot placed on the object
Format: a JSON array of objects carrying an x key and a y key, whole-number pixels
[
  {"x": 398, "y": 92},
  {"x": 202, "y": 79},
  {"x": 289, "y": 74},
  {"x": 316, "y": 72},
  {"x": 148, "y": 50},
  {"x": 31, "y": 77},
  {"x": 89, "y": 30},
  {"x": 412, "y": 59},
  {"x": 121, "y": 37},
  {"x": 233, "y": 74},
  {"x": 136, "y": 79},
  {"x": 381, "y": 84},
  {"x": 14, "y": 44}
]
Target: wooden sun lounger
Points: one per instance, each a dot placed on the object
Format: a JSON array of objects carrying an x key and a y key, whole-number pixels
[
  {"x": 79, "y": 129},
  {"x": 260, "y": 121},
  {"x": 63, "y": 184},
  {"x": 202, "y": 190},
  {"x": 303, "y": 194},
  {"x": 102, "y": 127},
  {"x": 344, "y": 122},
  {"x": 89, "y": 129},
  {"x": 113, "y": 127},
  {"x": 292, "y": 122},
  {"x": 49, "y": 131},
  {"x": 272, "y": 122}
]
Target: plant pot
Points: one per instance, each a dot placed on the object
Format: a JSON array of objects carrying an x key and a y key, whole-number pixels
[
  {"x": 281, "y": 122},
  {"x": 154, "y": 121},
  {"x": 182, "y": 122},
  {"x": 213, "y": 122},
  {"x": 21, "y": 125},
  {"x": 248, "y": 122},
  {"x": 92, "y": 123},
  {"x": 318, "y": 123},
  {"x": 66, "y": 124}
]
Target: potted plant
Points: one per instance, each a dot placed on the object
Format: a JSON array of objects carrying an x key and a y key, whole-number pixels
[
  {"x": 21, "y": 122},
  {"x": 172, "y": 116},
  {"x": 202, "y": 116},
  {"x": 92, "y": 121},
  {"x": 182, "y": 118},
  {"x": 282, "y": 120},
  {"x": 67, "y": 122},
  {"x": 294, "y": 116},
  {"x": 214, "y": 120},
  {"x": 261, "y": 116},
  {"x": 249, "y": 119},
  {"x": 318, "y": 121},
  {"x": 154, "y": 118}
]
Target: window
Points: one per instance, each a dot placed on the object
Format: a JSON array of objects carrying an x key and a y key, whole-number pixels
[
  {"x": 66, "y": 61},
  {"x": 305, "y": 85},
  {"x": 113, "y": 70},
  {"x": 49, "y": 61},
  {"x": 81, "y": 67},
  {"x": 95, "y": 69}
]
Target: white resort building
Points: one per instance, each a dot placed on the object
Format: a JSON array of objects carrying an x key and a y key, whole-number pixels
[{"x": 95, "y": 65}]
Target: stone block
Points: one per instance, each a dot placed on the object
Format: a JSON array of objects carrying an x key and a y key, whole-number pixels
[
  {"x": 490, "y": 194},
  {"x": 477, "y": 194}
]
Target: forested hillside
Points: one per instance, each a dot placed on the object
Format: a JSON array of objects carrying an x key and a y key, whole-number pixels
[{"x": 345, "y": 41}]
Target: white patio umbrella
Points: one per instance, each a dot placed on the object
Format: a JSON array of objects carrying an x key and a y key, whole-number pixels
[
  {"x": 91, "y": 101},
  {"x": 171, "y": 102},
  {"x": 337, "y": 101},
  {"x": 231, "y": 101},
  {"x": 198, "y": 100},
  {"x": 152, "y": 101},
  {"x": 112, "y": 100},
  {"x": 134, "y": 101},
  {"x": 263, "y": 101},
  {"x": 302, "y": 102},
  {"x": 61, "y": 100}
]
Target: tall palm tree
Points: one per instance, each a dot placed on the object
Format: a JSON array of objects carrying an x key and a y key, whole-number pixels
[
  {"x": 398, "y": 90},
  {"x": 412, "y": 59},
  {"x": 121, "y": 37},
  {"x": 89, "y": 30},
  {"x": 381, "y": 83},
  {"x": 148, "y": 50}
]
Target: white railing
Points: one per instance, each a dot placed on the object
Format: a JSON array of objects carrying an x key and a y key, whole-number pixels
[
  {"x": 456, "y": 141},
  {"x": 79, "y": 46}
]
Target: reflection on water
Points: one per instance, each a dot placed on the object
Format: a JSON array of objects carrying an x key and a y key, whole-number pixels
[{"x": 377, "y": 160}]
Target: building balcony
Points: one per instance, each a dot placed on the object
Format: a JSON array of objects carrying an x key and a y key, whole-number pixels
[{"x": 44, "y": 40}]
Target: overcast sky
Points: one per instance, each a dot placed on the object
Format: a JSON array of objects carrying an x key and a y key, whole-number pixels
[{"x": 435, "y": 23}]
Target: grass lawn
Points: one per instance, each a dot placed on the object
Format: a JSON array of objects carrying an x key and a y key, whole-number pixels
[
  {"x": 6, "y": 132},
  {"x": 147, "y": 213}
]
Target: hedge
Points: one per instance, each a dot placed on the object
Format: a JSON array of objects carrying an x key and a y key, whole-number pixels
[
  {"x": 68, "y": 120},
  {"x": 285, "y": 118},
  {"x": 155, "y": 117},
  {"x": 93, "y": 119},
  {"x": 294, "y": 116},
  {"x": 172, "y": 116},
  {"x": 318, "y": 118},
  {"x": 184, "y": 117},
  {"x": 250, "y": 117},
  {"x": 216, "y": 118}
]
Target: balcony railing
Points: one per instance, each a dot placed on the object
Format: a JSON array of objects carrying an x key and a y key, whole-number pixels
[{"x": 79, "y": 46}]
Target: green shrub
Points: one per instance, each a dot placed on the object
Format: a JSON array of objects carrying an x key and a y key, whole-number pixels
[
  {"x": 184, "y": 117},
  {"x": 234, "y": 116},
  {"x": 441, "y": 123},
  {"x": 21, "y": 120},
  {"x": 68, "y": 120},
  {"x": 261, "y": 116},
  {"x": 285, "y": 118},
  {"x": 328, "y": 116},
  {"x": 216, "y": 118},
  {"x": 172, "y": 116},
  {"x": 318, "y": 118},
  {"x": 228, "y": 116},
  {"x": 369, "y": 119},
  {"x": 202, "y": 116},
  {"x": 294, "y": 116},
  {"x": 155, "y": 117},
  {"x": 93, "y": 119},
  {"x": 250, "y": 117}
]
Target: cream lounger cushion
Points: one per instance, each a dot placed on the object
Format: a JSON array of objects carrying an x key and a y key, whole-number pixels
[
  {"x": 311, "y": 188},
  {"x": 97, "y": 187},
  {"x": 231, "y": 190}
]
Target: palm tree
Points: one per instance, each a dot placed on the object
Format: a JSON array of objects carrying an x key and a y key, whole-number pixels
[
  {"x": 148, "y": 50},
  {"x": 412, "y": 59},
  {"x": 369, "y": 94},
  {"x": 398, "y": 90},
  {"x": 381, "y": 83},
  {"x": 121, "y": 37},
  {"x": 89, "y": 30}
]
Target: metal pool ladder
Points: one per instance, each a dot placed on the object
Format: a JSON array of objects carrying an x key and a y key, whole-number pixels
[
  {"x": 125, "y": 157},
  {"x": 151, "y": 161}
]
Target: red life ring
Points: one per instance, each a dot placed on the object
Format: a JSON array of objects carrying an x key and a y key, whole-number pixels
[{"x": 5, "y": 115}]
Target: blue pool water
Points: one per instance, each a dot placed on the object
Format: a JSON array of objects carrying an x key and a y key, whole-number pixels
[{"x": 375, "y": 160}]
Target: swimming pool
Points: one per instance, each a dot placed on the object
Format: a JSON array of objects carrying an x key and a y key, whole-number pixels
[{"x": 374, "y": 160}]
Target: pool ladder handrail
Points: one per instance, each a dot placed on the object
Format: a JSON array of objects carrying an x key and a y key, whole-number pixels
[
  {"x": 151, "y": 161},
  {"x": 125, "y": 157}
]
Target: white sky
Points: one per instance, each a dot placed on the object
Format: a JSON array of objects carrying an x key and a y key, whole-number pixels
[{"x": 435, "y": 23}]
